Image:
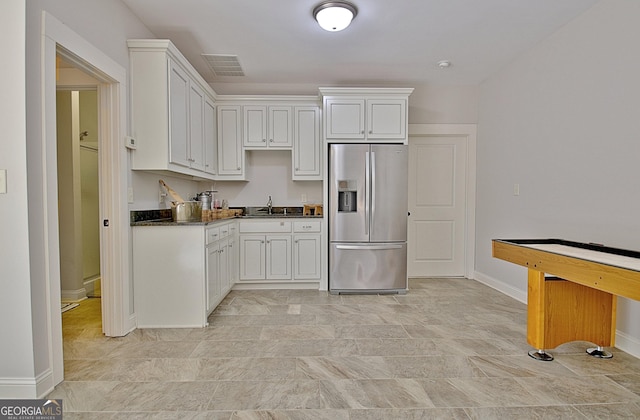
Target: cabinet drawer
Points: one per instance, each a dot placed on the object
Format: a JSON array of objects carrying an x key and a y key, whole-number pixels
[
  {"x": 213, "y": 234},
  {"x": 307, "y": 226},
  {"x": 224, "y": 231},
  {"x": 268, "y": 226}
]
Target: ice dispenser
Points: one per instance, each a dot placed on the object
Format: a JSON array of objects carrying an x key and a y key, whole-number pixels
[{"x": 347, "y": 196}]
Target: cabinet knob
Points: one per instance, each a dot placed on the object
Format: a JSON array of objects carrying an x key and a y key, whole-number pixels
[
  {"x": 264, "y": 140},
  {"x": 270, "y": 140},
  {"x": 370, "y": 131},
  {"x": 238, "y": 168},
  {"x": 362, "y": 132}
]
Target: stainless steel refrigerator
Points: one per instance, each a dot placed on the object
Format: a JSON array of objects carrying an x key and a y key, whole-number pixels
[{"x": 368, "y": 218}]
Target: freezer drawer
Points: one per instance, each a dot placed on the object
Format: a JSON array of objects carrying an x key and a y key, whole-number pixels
[{"x": 374, "y": 268}]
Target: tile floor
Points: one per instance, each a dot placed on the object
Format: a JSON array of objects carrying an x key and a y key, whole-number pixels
[{"x": 448, "y": 349}]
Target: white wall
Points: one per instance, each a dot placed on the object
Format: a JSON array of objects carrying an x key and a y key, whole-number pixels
[
  {"x": 563, "y": 121},
  {"x": 269, "y": 174},
  {"x": 16, "y": 352}
]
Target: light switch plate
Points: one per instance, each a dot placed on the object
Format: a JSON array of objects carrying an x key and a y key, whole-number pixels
[
  {"x": 3, "y": 181},
  {"x": 130, "y": 143}
]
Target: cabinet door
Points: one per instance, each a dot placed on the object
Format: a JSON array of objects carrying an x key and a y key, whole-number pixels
[
  {"x": 306, "y": 146},
  {"x": 223, "y": 267},
  {"x": 345, "y": 118},
  {"x": 233, "y": 260},
  {"x": 210, "y": 143},
  {"x": 306, "y": 257},
  {"x": 255, "y": 126},
  {"x": 252, "y": 257},
  {"x": 386, "y": 119},
  {"x": 178, "y": 115},
  {"x": 196, "y": 127},
  {"x": 278, "y": 257},
  {"x": 230, "y": 155},
  {"x": 213, "y": 283},
  {"x": 280, "y": 126}
]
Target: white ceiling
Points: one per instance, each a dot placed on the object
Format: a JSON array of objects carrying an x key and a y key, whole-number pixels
[{"x": 394, "y": 43}]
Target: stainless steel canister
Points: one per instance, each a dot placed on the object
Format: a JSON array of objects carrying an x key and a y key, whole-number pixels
[
  {"x": 205, "y": 199},
  {"x": 187, "y": 211}
]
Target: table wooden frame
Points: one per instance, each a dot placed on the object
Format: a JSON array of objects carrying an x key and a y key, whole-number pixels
[{"x": 579, "y": 301}]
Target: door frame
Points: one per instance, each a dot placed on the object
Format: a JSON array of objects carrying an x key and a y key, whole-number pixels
[
  {"x": 114, "y": 239},
  {"x": 469, "y": 131}
]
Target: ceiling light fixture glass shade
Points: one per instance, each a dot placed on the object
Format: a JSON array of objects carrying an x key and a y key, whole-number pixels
[{"x": 334, "y": 16}]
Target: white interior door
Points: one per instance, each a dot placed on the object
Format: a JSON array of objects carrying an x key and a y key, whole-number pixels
[{"x": 437, "y": 204}]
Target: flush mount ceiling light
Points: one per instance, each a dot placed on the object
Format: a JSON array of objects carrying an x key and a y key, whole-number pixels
[
  {"x": 334, "y": 16},
  {"x": 444, "y": 64}
]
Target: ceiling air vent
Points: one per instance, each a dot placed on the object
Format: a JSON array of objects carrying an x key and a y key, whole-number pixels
[{"x": 223, "y": 65}]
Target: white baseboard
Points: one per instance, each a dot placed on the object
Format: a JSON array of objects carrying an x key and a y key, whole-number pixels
[
  {"x": 275, "y": 285},
  {"x": 628, "y": 344},
  {"x": 624, "y": 342},
  {"x": 73, "y": 295},
  {"x": 89, "y": 285},
  {"x": 517, "y": 294},
  {"x": 27, "y": 388}
]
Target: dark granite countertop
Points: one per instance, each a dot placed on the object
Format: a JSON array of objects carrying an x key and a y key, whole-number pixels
[{"x": 162, "y": 217}]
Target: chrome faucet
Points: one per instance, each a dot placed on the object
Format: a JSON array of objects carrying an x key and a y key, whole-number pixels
[{"x": 270, "y": 205}]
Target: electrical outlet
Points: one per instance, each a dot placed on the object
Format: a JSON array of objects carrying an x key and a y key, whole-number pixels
[
  {"x": 516, "y": 189},
  {"x": 3, "y": 181},
  {"x": 303, "y": 198},
  {"x": 161, "y": 196},
  {"x": 130, "y": 195}
]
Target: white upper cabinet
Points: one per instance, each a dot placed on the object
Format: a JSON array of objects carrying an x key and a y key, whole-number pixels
[
  {"x": 230, "y": 153},
  {"x": 210, "y": 138},
  {"x": 267, "y": 126},
  {"x": 306, "y": 154},
  {"x": 196, "y": 127},
  {"x": 366, "y": 115},
  {"x": 171, "y": 111},
  {"x": 386, "y": 119},
  {"x": 345, "y": 118}
]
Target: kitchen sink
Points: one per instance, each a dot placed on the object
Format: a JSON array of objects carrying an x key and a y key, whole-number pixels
[{"x": 262, "y": 212}]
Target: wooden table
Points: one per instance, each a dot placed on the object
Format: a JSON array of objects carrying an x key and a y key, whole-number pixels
[{"x": 572, "y": 290}]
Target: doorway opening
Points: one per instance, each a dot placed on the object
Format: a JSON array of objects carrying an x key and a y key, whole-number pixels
[
  {"x": 77, "y": 129},
  {"x": 118, "y": 317}
]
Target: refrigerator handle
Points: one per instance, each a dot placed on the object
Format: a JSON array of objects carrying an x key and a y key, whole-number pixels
[
  {"x": 370, "y": 247},
  {"x": 373, "y": 188},
  {"x": 367, "y": 181}
]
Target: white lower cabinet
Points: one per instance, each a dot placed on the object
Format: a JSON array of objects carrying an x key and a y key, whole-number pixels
[
  {"x": 213, "y": 279},
  {"x": 307, "y": 255},
  {"x": 181, "y": 273},
  {"x": 269, "y": 252},
  {"x": 265, "y": 257}
]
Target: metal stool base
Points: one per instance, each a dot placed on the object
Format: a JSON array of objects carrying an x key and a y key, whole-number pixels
[
  {"x": 541, "y": 355},
  {"x": 599, "y": 352}
]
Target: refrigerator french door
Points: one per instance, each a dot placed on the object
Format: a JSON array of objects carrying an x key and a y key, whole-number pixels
[{"x": 368, "y": 218}]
